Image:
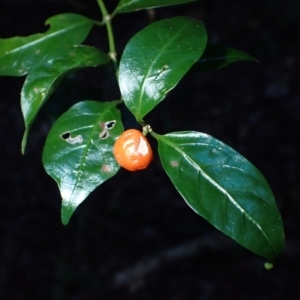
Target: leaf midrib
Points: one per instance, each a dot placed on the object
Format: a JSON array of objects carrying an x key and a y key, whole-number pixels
[
  {"x": 221, "y": 189},
  {"x": 129, "y": 3},
  {"x": 162, "y": 50},
  {"x": 47, "y": 35},
  {"x": 84, "y": 156},
  {"x": 54, "y": 78}
]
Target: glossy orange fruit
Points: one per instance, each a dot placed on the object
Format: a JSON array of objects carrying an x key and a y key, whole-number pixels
[{"x": 132, "y": 150}]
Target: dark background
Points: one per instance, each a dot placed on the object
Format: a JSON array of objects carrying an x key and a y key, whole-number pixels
[{"x": 134, "y": 237}]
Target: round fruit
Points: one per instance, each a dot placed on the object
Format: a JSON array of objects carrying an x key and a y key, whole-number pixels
[{"x": 132, "y": 150}]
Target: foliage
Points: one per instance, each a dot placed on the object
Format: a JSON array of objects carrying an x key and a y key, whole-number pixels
[{"x": 214, "y": 180}]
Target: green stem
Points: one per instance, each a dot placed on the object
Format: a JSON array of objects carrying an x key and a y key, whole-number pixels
[
  {"x": 111, "y": 41},
  {"x": 117, "y": 102}
]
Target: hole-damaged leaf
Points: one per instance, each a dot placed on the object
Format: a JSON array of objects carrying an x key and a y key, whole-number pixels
[
  {"x": 132, "y": 5},
  {"x": 18, "y": 54},
  {"x": 217, "y": 57},
  {"x": 224, "y": 188},
  {"x": 74, "y": 155},
  {"x": 155, "y": 60},
  {"x": 44, "y": 77}
]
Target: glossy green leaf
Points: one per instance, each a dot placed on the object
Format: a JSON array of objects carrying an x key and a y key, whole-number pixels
[
  {"x": 44, "y": 77},
  {"x": 78, "y": 153},
  {"x": 132, "y": 5},
  {"x": 18, "y": 54},
  {"x": 217, "y": 57},
  {"x": 224, "y": 188},
  {"x": 155, "y": 60}
]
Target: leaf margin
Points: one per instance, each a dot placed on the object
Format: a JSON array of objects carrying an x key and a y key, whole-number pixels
[
  {"x": 280, "y": 238},
  {"x": 49, "y": 156},
  {"x": 47, "y": 91}
]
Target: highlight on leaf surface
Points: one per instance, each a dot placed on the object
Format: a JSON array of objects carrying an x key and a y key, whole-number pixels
[
  {"x": 19, "y": 54},
  {"x": 156, "y": 59},
  {"x": 133, "y": 5},
  {"x": 224, "y": 188},
  {"x": 76, "y": 157},
  {"x": 45, "y": 76}
]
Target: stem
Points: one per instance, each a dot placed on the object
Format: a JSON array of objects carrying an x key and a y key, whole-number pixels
[
  {"x": 111, "y": 41},
  {"x": 117, "y": 102}
]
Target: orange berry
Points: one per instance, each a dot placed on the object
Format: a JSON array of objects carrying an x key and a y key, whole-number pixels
[{"x": 132, "y": 150}]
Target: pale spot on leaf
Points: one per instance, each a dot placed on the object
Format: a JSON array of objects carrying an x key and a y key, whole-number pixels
[
  {"x": 174, "y": 163},
  {"x": 66, "y": 136},
  {"x": 106, "y": 169},
  {"x": 104, "y": 134}
]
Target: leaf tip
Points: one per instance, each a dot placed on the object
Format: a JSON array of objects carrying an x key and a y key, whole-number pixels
[
  {"x": 65, "y": 215},
  {"x": 64, "y": 220},
  {"x": 67, "y": 211}
]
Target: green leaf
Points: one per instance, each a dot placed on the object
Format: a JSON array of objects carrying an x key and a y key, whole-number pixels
[
  {"x": 217, "y": 57},
  {"x": 155, "y": 60},
  {"x": 44, "y": 77},
  {"x": 132, "y": 5},
  {"x": 78, "y": 153},
  {"x": 224, "y": 188},
  {"x": 18, "y": 54}
]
